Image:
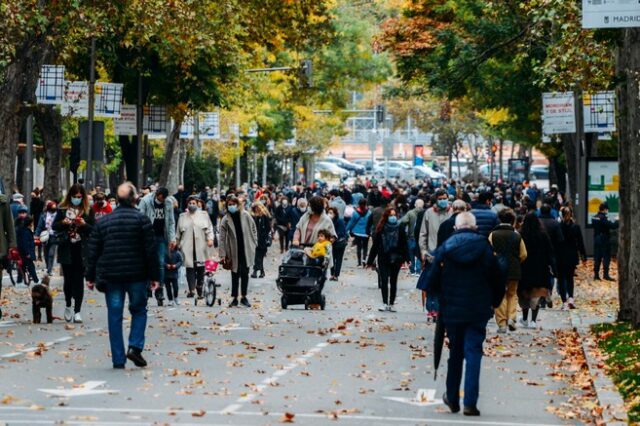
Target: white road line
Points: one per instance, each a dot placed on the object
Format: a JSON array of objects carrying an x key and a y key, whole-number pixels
[{"x": 47, "y": 345}]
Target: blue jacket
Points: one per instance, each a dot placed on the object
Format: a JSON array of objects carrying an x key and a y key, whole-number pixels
[
  {"x": 486, "y": 219},
  {"x": 358, "y": 223},
  {"x": 173, "y": 258},
  {"x": 26, "y": 243},
  {"x": 466, "y": 276},
  {"x": 341, "y": 229},
  {"x": 294, "y": 217}
]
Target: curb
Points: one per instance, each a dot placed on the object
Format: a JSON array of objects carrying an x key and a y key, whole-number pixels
[{"x": 613, "y": 409}]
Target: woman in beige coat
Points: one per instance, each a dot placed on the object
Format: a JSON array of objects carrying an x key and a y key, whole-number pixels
[
  {"x": 238, "y": 241},
  {"x": 194, "y": 236}
]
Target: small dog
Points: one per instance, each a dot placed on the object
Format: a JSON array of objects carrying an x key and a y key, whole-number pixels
[{"x": 41, "y": 298}]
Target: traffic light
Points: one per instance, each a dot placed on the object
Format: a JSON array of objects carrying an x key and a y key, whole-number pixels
[
  {"x": 306, "y": 73},
  {"x": 380, "y": 114},
  {"x": 494, "y": 149}
]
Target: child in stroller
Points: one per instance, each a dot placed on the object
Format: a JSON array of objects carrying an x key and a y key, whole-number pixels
[{"x": 320, "y": 250}]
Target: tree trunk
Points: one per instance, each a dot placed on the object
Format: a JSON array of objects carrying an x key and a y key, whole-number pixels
[
  {"x": 49, "y": 122},
  {"x": 628, "y": 69},
  {"x": 183, "y": 159},
  {"x": 170, "y": 173},
  {"x": 500, "y": 158}
]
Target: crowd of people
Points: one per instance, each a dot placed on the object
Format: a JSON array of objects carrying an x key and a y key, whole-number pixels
[{"x": 140, "y": 244}]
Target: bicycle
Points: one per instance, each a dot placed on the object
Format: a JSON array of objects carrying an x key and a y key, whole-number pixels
[{"x": 210, "y": 288}]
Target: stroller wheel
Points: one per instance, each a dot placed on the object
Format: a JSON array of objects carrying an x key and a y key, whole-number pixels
[
  {"x": 210, "y": 293},
  {"x": 283, "y": 302}
]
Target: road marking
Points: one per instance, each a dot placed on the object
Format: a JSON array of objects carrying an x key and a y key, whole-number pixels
[
  {"x": 4, "y": 324},
  {"x": 47, "y": 345},
  {"x": 233, "y": 327},
  {"x": 424, "y": 398},
  {"x": 87, "y": 388}
]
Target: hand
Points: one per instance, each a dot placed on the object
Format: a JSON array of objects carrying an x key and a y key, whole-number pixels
[
  {"x": 155, "y": 285},
  {"x": 80, "y": 221},
  {"x": 66, "y": 221},
  {"x": 210, "y": 243},
  {"x": 91, "y": 285},
  {"x": 296, "y": 243},
  {"x": 172, "y": 245}
]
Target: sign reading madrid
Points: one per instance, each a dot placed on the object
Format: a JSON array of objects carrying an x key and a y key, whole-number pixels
[{"x": 610, "y": 13}]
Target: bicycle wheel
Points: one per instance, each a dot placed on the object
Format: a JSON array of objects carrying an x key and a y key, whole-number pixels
[
  {"x": 210, "y": 292},
  {"x": 12, "y": 271},
  {"x": 24, "y": 274}
]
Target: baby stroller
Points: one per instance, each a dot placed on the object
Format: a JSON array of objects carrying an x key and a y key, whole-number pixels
[
  {"x": 300, "y": 283},
  {"x": 210, "y": 287}
]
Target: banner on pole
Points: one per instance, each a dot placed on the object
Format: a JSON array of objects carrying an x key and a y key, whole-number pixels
[
  {"x": 108, "y": 99},
  {"x": 76, "y": 99},
  {"x": 187, "y": 128},
  {"x": 50, "y": 89},
  {"x": 210, "y": 125},
  {"x": 599, "y": 111},
  {"x": 125, "y": 125},
  {"x": 155, "y": 121},
  {"x": 558, "y": 113},
  {"x": 610, "y": 13}
]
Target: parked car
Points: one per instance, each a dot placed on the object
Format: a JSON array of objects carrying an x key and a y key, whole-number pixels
[
  {"x": 324, "y": 168},
  {"x": 367, "y": 164},
  {"x": 425, "y": 172},
  {"x": 355, "y": 169},
  {"x": 397, "y": 169}
]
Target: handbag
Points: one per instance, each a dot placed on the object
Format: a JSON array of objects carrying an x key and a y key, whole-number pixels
[
  {"x": 226, "y": 263},
  {"x": 44, "y": 236}
]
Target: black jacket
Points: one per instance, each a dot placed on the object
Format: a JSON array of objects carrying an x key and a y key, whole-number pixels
[
  {"x": 572, "y": 248},
  {"x": 466, "y": 276},
  {"x": 263, "y": 227},
  {"x": 602, "y": 227},
  {"x": 446, "y": 229},
  {"x": 122, "y": 249},
  {"x": 540, "y": 262},
  {"x": 64, "y": 231},
  {"x": 552, "y": 227},
  {"x": 397, "y": 255}
]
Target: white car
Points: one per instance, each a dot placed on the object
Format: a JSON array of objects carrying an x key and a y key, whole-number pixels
[
  {"x": 355, "y": 169},
  {"x": 426, "y": 172},
  {"x": 397, "y": 169},
  {"x": 325, "y": 168}
]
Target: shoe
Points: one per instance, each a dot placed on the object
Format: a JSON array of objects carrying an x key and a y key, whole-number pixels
[
  {"x": 68, "y": 314},
  {"x": 171, "y": 303},
  {"x": 135, "y": 355},
  {"x": 190, "y": 295},
  {"x": 533, "y": 325},
  {"x": 175, "y": 302},
  {"x": 608, "y": 278},
  {"x": 261, "y": 274},
  {"x": 118, "y": 366},
  {"x": 471, "y": 411},
  {"x": 512, "y": 325},
  {"x": 523, "y": 323},
  {"x": 233, "y": 303},
  {"x": 596, "y": 278},
  {"x": 564, "y": 306},
  {"x": 453, "y": 407},
  {"x": 502, "y": 329},
  {"x": 383, "y": 308},
  {"x": 160, "y": 302},
  {"x": 77, "y": 318},
  {"x": 571, "y": 303},
  {"x": 542, "y": 304},
  {"x": 550, "y": 303},
  {"x": 254, "y": 275},
  {"x": 390, "y": 308},
  {"x": 244, "y": 302},
  {"x": 333, "y": 278}
]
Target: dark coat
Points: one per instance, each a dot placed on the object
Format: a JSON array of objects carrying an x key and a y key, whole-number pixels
[
  {"x": 340, "y": 227},
  {"x": 26, "y": 243},
  {"x": 554, "y": 232},
  {"x": 263, "y": 228},
  {"x": 122, "y": 249},
  {"x": 172, "y": 258},
  {"x": 506, "y": 242},
  {"x": 486, "y": 219},
  {"x": 540, "y": 261},
  {"x": 602, "y": 227},
  {"x": 446, "y": 229},
  {"x": 62, "y": 232},
  {"x": 294, "y": 217},
  {"x": 466, "y": 276},
  {"x": 281, "y": 215},
  {"x": 397, "y": 255},
  {"x": 572, "y": 247}
]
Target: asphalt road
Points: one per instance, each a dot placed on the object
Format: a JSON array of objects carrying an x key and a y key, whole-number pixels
[{"x": 349, "y": 363}]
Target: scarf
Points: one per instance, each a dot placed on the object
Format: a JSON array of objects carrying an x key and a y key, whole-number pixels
[{"x": 390, "y": 235}]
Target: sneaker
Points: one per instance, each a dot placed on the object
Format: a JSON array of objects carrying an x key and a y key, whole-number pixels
[
  {"x": 233, "y": 303},
  {"x": 390, "y": 308},
  {"x": 254, "y": 275},
  {"x": 68, "y": 314},
  {"x": 523, "y": 323},
  {"x": 175, "y": 302},
  {"x": 502, "y": 329},
  {"x": 171, "y": 303},
  {"x": 383, "y": 308},
  {"x": 190, "y": 294},
  {"x": 512, "y": 325},
  {"x": 571, "y": 303},
  {"x": 77, "y": 318},
  {"x": 533, "y": 325},
  {"x": 261, "y": 274},
  {"x": 244, "y": 302}
]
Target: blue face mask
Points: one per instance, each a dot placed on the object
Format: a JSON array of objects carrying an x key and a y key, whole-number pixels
[
  {"x": 393, "y": 220},
  {"x": 443, "y": 204},
  {"x": 76, "y": 201},
  {"x": 232, "y": 209}
]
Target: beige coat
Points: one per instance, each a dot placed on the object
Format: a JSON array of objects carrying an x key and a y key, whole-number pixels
[
  {"x": 228, "y": 240},
  {"x": 194, "y": 229}
]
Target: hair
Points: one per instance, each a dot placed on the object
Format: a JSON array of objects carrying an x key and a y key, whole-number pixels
[
  {"x": 484, "y": 197},
  {"x": 440, "y": 192},
  {"x": 131, "y": 195},
  {"x": 302, "y": 200},
  {"x": 567, "y": 214},
  {"x": 362, "y": 203},
  {"x": 459, "y": 206},
  {"x": 335, "y": 212},
  {"x": 325, "y": 232},
  {"x": 545, "y": 209},
  {"x": 162, "y": 191},
  {"x": 385, "y": 218},
  {"x": 232, "y": 199},
  {"x": 603, "y": 207},
  {"x": 260, "y": 209},
  {"x": 316, "y": 204},
  {"x": 507, "y": 216},
  {"x": 531, "y": 228},
  {"x": 465, "y": 220},
  {"x": 419, "y": 203},
  {"x": 76, "y": 188}
]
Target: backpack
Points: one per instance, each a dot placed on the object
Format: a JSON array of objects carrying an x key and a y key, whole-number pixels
[
  {"x": 418, "y": 225},
  {"x": 503, "y": 258}
]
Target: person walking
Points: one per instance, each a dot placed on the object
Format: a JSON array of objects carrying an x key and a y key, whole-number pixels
[
  {"x": 534, "y": 282},
  {"x": 486, "y": 218},
  {"x": 433, "y": 218},
  {"x": 238, "y": 242},
  {"x": 413, "y": 220},
  {"x": 8, "y": 241},
  {"x": 295, "y": 214},
  {"x": 100, "y": 206},
  {"x": 466, "y": 277},
  {"x": 340, "y": 244},
  {"x": 313, "y": 221},
  {"x": 602, "y": 228},
  {"x": 358, "y": 228},
  {"x": 122, "y": 260},
  {"x": 158, "y": 207},
  {"x": 36, "y": 207},
  {"x": 281, "y": 215},
  {"x": 552, "y": 228},
  {"x": 506, "y": 242},
  {"x": 26, "y": 243},
  {"x": 72, "y": 226},
  {"x": 172, "y": 265},
  {"x": 391, "y": 247},
  {"x": 194, "y": 235},
  {"x": 45, "y": 232},
  {"x": 570, "y": 252},
  {"x": 262, "y": 218}
]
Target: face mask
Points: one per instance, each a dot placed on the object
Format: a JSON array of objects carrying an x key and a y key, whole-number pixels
[
  {"x": 331, "y": 216},
  {"x": 232, "y": 209},
  {"x": 302, "y": 209},
  {"x": 192, "y": 208},
  {"x": 393, "y": 220},
  {"x": 114, "y": 205},
  {"x": 76, "y": 201},
  {"x": 264, "y": 202},
  {"x": 285, "y": 203},
  {"x": 443, "y": 204}
]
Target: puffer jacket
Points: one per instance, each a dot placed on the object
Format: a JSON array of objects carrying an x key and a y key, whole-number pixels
[
  {"x": 122, "y": 249},
  {"x": 466, "y": 276},
  {"x": 486, "y": 219}
]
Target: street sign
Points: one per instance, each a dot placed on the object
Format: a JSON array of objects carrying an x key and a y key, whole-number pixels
[
  {"x": 599, "y": 111},
  {"x": 155, "y": 121},
  {"x": 187, "y": 128},
  {"x": 108, "y": 99},
  {"x": 210, "y": 125},
  {"x": 76, "y": 99},
  {"x": 558, "y": 113},
  {"x": 610, "y": 13},
  {"x": 126, "y": 124},
  {"x": 50, "y": 89}
]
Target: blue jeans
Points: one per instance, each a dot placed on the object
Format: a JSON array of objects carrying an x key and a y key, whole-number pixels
[
  {"x": 414, "y": 254},
  {"x": 137, "y": 307},
  {"x": 161, "y": 246},
  {"x": 465, "y": 344}
]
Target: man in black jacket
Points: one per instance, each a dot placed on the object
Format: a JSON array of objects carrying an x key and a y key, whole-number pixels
[
  {"x": 123, "y": 260},
  {"x": 602, "y": 227}
]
